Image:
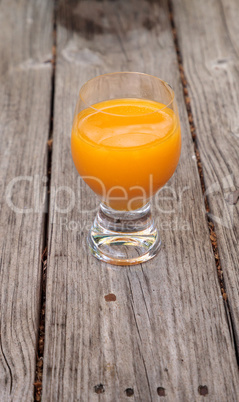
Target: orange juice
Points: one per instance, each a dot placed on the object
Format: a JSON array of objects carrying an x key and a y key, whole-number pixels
[{"x": 126, "y": 149}]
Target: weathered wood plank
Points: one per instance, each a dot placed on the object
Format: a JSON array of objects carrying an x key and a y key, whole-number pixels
[
  {"x": 210, "y": 50},
  {"x": 25, "y": 81},
  {"x": 167, "y": 327}
]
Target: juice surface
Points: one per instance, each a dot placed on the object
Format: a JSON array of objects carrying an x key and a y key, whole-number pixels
[{"x": 129, "y": 148}]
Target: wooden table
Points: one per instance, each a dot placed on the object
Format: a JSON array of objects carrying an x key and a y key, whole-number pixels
[{"x": 164, "y": 330}]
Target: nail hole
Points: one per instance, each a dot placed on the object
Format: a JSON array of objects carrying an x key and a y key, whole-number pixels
[
  {"x": 222, "y": 61},
  {"x": 161, "y": 391},
  {"x": 148, "y": 24},
  {"x": 203, "y": 390},
  {"x": 99, "y": 389},
  {"x": 110, "y": 297},
  {"x": 129, "y": 391}
]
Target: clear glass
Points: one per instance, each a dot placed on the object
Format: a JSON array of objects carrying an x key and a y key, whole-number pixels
[{"x": 126, "y": 145}]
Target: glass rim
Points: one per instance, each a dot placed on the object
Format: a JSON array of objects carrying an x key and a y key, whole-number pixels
[{"x": 165, "y": 83}]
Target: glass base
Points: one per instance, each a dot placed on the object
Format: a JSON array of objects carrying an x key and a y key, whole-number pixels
[{"x": 124, "y": 238}]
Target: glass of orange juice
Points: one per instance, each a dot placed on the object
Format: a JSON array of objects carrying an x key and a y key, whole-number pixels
[{"x": 126, "y": 145}]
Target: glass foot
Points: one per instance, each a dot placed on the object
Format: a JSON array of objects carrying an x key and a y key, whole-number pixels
[{"x": 124, "y": 238}]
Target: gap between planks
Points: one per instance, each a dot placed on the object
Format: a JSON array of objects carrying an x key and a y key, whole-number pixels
[
  {"x": 211, "y": 227},
  {"x": 41, "y": 327}
]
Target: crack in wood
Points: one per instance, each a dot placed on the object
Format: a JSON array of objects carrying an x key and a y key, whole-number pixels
[
  {"x": 41, "y": 328},
  {"x": 8, "y": 366}
]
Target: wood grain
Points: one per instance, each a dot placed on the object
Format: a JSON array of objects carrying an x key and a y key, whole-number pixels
[
  {"x": 25, "y": 81},
  {"x": 167, "y": 331},
  {"x": 210, "y": 52}
]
